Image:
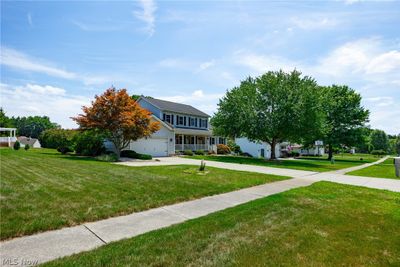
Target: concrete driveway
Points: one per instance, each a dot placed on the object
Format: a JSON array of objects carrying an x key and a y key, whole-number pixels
[
  {"x": 337, "y": 176},
  {"x": 231, "y": 166}
]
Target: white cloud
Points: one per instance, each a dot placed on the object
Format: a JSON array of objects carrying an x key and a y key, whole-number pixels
[
  {"x": 203, "y": 101},
  {"x": 14, "y": 59},
  {"x": 263, "y": 63},
  {"x": 206, "y": 65},
  {"x": 147, "y": 15},
  {"x": 95, "y": 27},
  {"x": 173, "y": 63},
  {"x": 385, "y": 62},
  {"x": 381, "y": 101},
  {"x": 20, "y": 61},
  {"x": 29, "y": 18},
  {"x": 350, "y": 2},
  {"x": 313, "y": 23},
  {"x": 42, "y": 100},
  {"x": 364, "y": 59},
  {"x": 44, "y": 90},
  {"x": 184, "y": 64}
]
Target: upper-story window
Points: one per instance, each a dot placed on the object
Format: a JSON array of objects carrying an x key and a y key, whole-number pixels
[
  {"x": 192, "y": 122},
  {"x": 169, "y": 118},
  {"x": 203, "y": 123},
  {"x": 180, "y": 120}
]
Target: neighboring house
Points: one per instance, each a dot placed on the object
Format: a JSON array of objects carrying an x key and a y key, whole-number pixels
[
  {"x": 257, "y": 149},
  {"x": 32, "y": 142},
  {"x": 263, "y": 149},
  {"x": 182, "y": 127},
  {"x": 303, "y": 151}
]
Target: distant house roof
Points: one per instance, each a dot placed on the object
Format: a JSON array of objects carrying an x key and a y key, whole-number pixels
[
  {"x": 27, "y": 140},
  {"x": 175, "y": 107}
]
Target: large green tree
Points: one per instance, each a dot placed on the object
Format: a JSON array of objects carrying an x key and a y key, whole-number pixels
[
  {"x": 345, "y": 117},
  {"x": 5, "y": 121},
  {"x": 271, "y": 108},
  {"x": 397, "y": 145},
  {"x": 379, "y": 140},
  {"x": 33, "y": 126}
]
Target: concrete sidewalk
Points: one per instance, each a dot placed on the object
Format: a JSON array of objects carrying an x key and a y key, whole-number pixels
[
  {"x": 359, "y": 167},
  {"x": 370, "y": 182},
  {"x": 51, "y": 245}
]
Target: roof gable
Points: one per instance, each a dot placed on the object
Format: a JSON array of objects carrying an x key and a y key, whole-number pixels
[
  {"x": 164, "y": 105},
  {"x": 27, "y": 140}
]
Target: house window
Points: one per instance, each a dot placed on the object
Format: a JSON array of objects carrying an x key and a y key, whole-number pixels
[
  {"x": 221, "y": 140},
  {"x": 180, "y": 120},
  {"x": 192, "y": 122},
  {"x": 212, "y": 141},
  {"x": 203, "y": 123},
  {"x": 168, "y": 118}
]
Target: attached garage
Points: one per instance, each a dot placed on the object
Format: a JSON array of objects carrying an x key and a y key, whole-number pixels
[{"x": 157, "y": 147}]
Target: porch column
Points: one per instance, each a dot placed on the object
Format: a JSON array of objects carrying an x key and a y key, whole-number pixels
[
  {"x": 195, "y": 142},
  {"x": 183, "y": 142}
]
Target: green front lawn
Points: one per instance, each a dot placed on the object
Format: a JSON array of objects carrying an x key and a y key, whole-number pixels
[
  {"x": 318, "y": 164},
  {"x": 381, "y": 170},
  {"x": 325, "y": 224},
  {"x": 42, "y": 190}
]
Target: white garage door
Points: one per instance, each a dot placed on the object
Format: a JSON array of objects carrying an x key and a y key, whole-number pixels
[{"x": 151, "y": 146}]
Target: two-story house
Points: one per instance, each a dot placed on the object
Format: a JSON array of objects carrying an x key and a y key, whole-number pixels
[{"x": 182, "y": 127}]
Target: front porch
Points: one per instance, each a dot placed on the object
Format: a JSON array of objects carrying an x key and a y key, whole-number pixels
[
  {"x": 197, "y": 142},
  {"x": 10, "y": 137}
]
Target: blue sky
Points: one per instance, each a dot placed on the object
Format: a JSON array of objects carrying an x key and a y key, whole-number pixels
[{"x": 55, "y": 56}]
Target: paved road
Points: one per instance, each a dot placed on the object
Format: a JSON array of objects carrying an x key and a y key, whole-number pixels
[{"x": 50, "y": 245}]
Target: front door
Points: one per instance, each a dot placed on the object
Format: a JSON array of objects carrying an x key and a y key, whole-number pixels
[{"x": 262, "y": 153}]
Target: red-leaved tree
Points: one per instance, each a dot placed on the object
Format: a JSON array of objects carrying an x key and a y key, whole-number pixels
[{"x": 119, "y": 117}]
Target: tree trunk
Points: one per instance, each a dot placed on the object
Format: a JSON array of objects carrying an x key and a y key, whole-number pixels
[
  {"x": 330, "y": 152},
  {"x": 118, "y": 152},
  {"x": 273, "y": 144}
]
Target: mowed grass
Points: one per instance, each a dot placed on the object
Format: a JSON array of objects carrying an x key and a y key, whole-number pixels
[
  {"x": 381, "y": 170},
  {"x": 42, "y": 190},
  {"x": 325, "y": 224},
  {"x": 318, "y": 164}
]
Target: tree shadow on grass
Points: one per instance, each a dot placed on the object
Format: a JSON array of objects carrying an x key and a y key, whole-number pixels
[
  {"x": 263, "y": 162},
  {"x": 342, "y": 160},
  {"x": 68, "y": 156},
  {"x": 78, "y": 157}
]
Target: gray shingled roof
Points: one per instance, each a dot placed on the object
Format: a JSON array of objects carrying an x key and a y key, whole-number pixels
[
  {"x": 176, "y": 107},
  {"x": 26, "y": 140}
]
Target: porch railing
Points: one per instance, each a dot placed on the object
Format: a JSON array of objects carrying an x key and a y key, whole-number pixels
[
  {"x": 4, "y": 139},
  {"x": 178, "y": 147}
]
